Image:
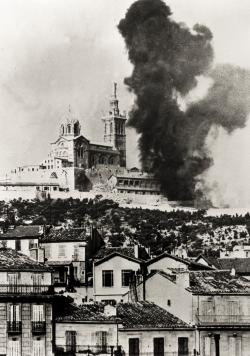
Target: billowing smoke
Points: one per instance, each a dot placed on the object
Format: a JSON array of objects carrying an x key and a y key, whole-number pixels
[{"x": 168, "y": 58}]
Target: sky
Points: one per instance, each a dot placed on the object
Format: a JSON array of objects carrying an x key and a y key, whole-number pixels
[{"x": 56, "y": 53}]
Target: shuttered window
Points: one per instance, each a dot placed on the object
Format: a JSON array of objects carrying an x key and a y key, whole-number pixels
[
  {"x": 38, "y": 312},
  {"x": 14, "y": 312},
  {"x": 70, "y": 340},
  {"x": 101, "y": 340},
  {"x": 234, "y": 346},
  {"x": 38, "y": 347},
  {"x": 14, "y": 347}
]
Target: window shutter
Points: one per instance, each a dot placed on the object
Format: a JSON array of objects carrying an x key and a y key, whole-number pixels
[{"x": 207, "y": 346}]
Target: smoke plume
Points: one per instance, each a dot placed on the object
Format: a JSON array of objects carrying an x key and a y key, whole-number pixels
[{"x": 168, "y": 58}]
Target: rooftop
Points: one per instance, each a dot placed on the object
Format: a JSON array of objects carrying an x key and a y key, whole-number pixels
[
  {"x": 11, "y": 260},
  {"x": 191, "y": 264},
  {"x": 217, "y": 282},
  {"x": 128, "y": 252},
  {"x": 139, "y": 315},
  {"x": 23, "y": 231},
  {"x": 65, "y": 235}
]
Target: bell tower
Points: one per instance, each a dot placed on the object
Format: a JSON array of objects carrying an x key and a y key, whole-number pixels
[{"x": 114, "y": 127}]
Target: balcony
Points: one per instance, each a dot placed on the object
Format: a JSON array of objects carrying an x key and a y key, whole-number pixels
[
  {"x": 223, "y": 319},
  {"x": 21, "y": 289},
  {"x": 72, "y": 350},
  {"x": 14, "y": 327},
  {"x": 38, "y": 327}
]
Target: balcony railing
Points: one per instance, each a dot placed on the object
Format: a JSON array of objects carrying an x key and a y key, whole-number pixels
[
  {"x": 72, "y": 350},
  {"x": 38, "y": 327},
  {"x": 223, "y": 319},
  {"x": 64, "y": 350},
  {"x": 14, "y": 327},
  {"x": 25, "y": 289}
]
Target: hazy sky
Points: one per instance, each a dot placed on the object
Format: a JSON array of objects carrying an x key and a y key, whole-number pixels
[{"x": 59, "y": 52}]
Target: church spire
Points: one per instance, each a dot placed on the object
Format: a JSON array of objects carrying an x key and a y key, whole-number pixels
[{"x": 114, "y": 102}]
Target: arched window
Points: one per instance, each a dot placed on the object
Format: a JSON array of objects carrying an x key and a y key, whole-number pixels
[
  {"x": 76, "y": 129},
  {"x": 111, "y": 160},
  {"x": 69, "y": 128},
  {"x": 111, "y": 127},
  {"x": 62, "y": 129}
]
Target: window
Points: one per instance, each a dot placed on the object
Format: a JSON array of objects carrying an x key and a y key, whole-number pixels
[
  {"x": 126, "y": 277},
  {"x": 101, "y": 340},
  {"x": 47, "y": 253},
  {"x": 38, "y": 347},
  {"x": 169, "y": 302},
  {"x": 70, "y": 340},
  {"x": 61, "y": 251},
  {"x": 107, "y": 278},
  {"x": 14, "y": 347},
  {"x": 18, "y": 245},
  {"x": 158, "y": 346},
  {"x": 37, "y": 282},
  {"x": 182, "y": 346},
  {"x": 14, "y": 313},
  {"x": 234, "y": 346},
  {"x": 133, "y": 347},
  {"x": 13, "y": 282},
  {"x": 38, "y": 312}
]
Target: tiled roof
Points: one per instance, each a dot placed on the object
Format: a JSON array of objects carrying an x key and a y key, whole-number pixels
[
  {"x": 84, "y": 312},
  {"x": 241, "y": 265},
  {"x": 214, "y": 282},
  {"x": 125, "y": 251},
  {"x": 106, "y": 251},
  {"x": 147, "y": 315},
  {"x": 23, "y": 231},
  {"x": 138, "y": 315},
  {"x": 11, "y": 260},
  {"x": 191, "y": 264},
  {"x": 65, "y": 235}
]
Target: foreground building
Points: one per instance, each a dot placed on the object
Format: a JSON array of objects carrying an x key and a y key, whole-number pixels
[
  {"x": 26, "y": 300},
  {"x": 216, "y": 303},
  {"x": 136, "y": 328}
]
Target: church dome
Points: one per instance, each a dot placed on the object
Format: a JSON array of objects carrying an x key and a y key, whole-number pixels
[{"x": 70, "y": 125}]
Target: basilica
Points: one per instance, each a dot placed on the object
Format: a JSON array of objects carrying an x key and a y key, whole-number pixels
[{"x": 73, "y": 158}]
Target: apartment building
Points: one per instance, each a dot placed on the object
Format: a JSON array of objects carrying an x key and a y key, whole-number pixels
[
  {"x": 69, "y": 251},
  {"x": 23, "y": 238},
  {"x": 26, "y": 300}
]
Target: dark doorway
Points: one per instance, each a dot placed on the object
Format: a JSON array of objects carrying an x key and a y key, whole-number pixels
[
  {"x": 217, "y": 344},
  {"x": 182, "y": 346},
  {"x": 134, "y": 349},
  {"x": 159, "y": 346}
]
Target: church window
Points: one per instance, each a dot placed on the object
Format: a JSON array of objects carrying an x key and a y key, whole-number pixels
[
  {"x": 111, "y": 127},
  {"x": 69, "y": 129},
  {"x": 76, "y": 129}
]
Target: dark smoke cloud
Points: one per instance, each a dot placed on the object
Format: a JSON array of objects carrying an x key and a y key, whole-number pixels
[{"x": 167, "y": 58}]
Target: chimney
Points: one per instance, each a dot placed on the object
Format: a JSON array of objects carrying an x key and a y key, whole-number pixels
[
  {"x": 110, "y": 310},
  {"x": 136, "y": 251},
  {"x": 233, "y": 272},
  {"x": 182, "y": 279}
]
